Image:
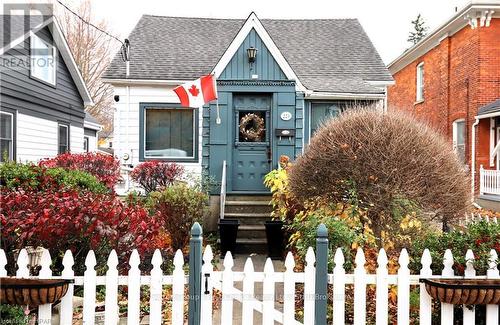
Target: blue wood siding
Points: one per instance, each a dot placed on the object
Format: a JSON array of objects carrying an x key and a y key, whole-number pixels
[
  {"x": 264, "y": 66},
  {"x": 30, "y": 96}
]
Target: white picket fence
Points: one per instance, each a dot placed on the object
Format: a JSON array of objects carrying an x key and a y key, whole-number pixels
[
  {"x": 477, "y": 217},
  {"x": 227, "y": 280}
]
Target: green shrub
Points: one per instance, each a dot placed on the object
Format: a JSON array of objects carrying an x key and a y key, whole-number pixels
[
  {"x": 341, "y": 234},
  {"x": 481, "y": 237},
  {"x": 77, "y": 179},
  {"x": 28, "y": 176},
  {"x": 178, "y": 207},
  {"x": 12, "y": 315}
]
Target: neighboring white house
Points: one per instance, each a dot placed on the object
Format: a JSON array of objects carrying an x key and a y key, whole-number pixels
[{"x": 42, "y": 100}]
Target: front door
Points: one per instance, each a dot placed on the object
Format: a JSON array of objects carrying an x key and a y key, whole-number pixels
[{"x": 252, "y": 147}]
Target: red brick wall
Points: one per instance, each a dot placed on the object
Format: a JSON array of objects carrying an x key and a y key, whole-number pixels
[{"x": 461, "y": 74}]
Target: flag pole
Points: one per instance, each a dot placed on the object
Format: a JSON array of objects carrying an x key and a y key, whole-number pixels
[{"x": 217, "y": 120}]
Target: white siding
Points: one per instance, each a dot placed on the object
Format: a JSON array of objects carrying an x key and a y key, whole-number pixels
[
  {"x": 126, "y": 120},
  {"x": 92, "y": 143},
  {"x": 37, "y": 138},
  {"x": 76, "y": 139}
]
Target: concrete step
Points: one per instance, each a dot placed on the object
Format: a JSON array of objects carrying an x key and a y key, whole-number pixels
[
  {"x": 246, "y": 231},
  {"x": 248, "y": 206},
  {"x": 251, "y": 246},
  {"x": 246, "y": 197},
  {"x": 249, "y": 218}
]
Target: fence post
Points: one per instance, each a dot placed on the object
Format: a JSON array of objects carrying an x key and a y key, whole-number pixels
[
  {"x": 321, "y": 290},
  {"x": 195, "y": 258}
]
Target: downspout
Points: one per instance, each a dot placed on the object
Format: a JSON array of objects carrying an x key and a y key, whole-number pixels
[{"x": 473, "y": 157}]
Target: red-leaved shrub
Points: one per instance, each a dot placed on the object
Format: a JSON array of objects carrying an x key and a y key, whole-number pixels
[
  {"x": 155, "y": 175},
  {"x": 62, "y": 219},
  {"x": 104, "y": 167}
]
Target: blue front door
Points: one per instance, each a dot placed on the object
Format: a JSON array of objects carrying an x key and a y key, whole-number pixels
[{"x": 252, "y": 146}]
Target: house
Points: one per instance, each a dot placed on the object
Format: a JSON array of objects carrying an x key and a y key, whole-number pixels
[
  {"x": 42, "y": 93},
  {"x": 451, "y": 79},
  {"x": 279, "y": 78}
]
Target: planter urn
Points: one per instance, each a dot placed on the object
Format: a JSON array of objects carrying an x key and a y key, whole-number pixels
[
  {"x": 275, "y": 239},
  {"x": 464, "y": 291},
  {"x": 228, "y": 231},
  {"x": 32, "y": 292}
]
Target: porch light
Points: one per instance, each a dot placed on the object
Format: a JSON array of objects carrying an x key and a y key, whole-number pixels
[{"x": 252, "y": 54}]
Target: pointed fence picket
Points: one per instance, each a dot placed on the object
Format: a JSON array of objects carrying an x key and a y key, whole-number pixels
[
  {"x": 382, "y": 294},
  {"x": 492, "y": 273},
  {"x": 207, "y": 289},
  {"x": 447, "y": 309},
  {"x": 425, "y": 299},
  {"x": 360, "y": 289},
  {"x": 228, "y": 280},
  {"x": 66, "y": 312},
  {"x": 289, "y": 296},
  {"x": 339, "y": 288},
  {"x": 111, "y": 311}
]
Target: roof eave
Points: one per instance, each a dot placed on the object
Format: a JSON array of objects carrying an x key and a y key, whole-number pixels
[
  {"x": 344, "y": 95},
  {"x": 433, "y": 39}
]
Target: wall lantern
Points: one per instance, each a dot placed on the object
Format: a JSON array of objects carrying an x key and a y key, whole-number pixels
[{"x": 252, "y": 54}]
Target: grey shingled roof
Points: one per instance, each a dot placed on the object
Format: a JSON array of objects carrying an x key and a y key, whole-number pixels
[
  {"x": 490, "y": 108},
  {"x": 90, "y": 118},
  {"x": 329, "y": 55}
]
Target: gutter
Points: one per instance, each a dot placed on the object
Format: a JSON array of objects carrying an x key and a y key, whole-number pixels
[{"x": 473, "y": 158}]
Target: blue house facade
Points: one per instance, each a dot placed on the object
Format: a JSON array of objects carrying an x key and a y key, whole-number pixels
[{"x": 276, "y": 81}]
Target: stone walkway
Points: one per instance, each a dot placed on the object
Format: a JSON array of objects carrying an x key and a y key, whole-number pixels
[{"x": 258, "y": 263}]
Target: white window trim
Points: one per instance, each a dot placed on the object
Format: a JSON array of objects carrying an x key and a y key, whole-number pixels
[
  {"x": 170, "y": 157},
  {"x": 419, "y": 90},
  {"x": 11, "y": 149},
  {"x": 54, "y": 55},
  {"x": 59, "y": 139},
  {"x": 86, "y": 139},
  {"x": 455, "y": 134}
]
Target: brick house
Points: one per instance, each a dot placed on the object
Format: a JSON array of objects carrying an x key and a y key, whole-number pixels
[{"x": 451, "y": 80}]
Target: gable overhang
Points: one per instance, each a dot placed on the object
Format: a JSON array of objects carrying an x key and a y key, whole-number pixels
[
  {"x": 63, "y": 48},
  {"x": 253, "y": 22},
  {"x": 480, "y": 10}
]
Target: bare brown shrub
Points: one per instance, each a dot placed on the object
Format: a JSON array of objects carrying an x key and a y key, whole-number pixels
[{"x": 379, "y": 159}]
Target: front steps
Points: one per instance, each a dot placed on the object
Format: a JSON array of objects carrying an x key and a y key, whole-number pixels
[{"x": 252, "y": 211}]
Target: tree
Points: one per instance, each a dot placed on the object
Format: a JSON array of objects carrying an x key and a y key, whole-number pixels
[
  {"x": 92, "y": 51},
  {"x": 420, "y": 30},
  {"x": 385, "y": 164}
]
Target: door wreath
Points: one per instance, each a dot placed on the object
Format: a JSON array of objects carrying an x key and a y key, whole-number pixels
[{"x": 252, "y": 127}]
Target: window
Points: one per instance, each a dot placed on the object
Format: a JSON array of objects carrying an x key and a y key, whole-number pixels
[
  {"x": 169, "y": 132},
  {"x": 321, "y": 112},
  {"x": 63, "y": 138},
  {"x": 420, "y": 82},
  {"x": 86, "y": 144},
  {"x": 43, "y": 64},
  {"x": 459, "y": 139},
  {"x": 6, "y": 136}
]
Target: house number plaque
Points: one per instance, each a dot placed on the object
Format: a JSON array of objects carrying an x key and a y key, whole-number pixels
[{"x": 286, "y": 116}]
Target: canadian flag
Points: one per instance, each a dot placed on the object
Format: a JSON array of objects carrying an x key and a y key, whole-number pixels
[{"x": 198, "y": 92}]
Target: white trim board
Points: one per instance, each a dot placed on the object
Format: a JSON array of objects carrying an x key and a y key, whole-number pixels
[{"x": 253, "y": 22}]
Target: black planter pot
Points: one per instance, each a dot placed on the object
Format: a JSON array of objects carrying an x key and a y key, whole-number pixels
[
  {"x": 275, "y": 239},
  {"x": 228, "y": 230}
]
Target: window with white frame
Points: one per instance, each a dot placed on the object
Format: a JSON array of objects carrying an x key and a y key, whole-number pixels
[
  {"x": 420, "y": 82},
  {"x": 169, "y": 132},
  {"x": 6, "y": 136},
  {"x": 63, "y": 138},
  {"x": 459, "y": 135},
  {"x": 43, "y": 60},
  {"x": 86, "y": 141}
]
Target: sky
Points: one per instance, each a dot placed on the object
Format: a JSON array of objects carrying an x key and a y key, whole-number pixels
[{"x": 387, "y": 22}]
